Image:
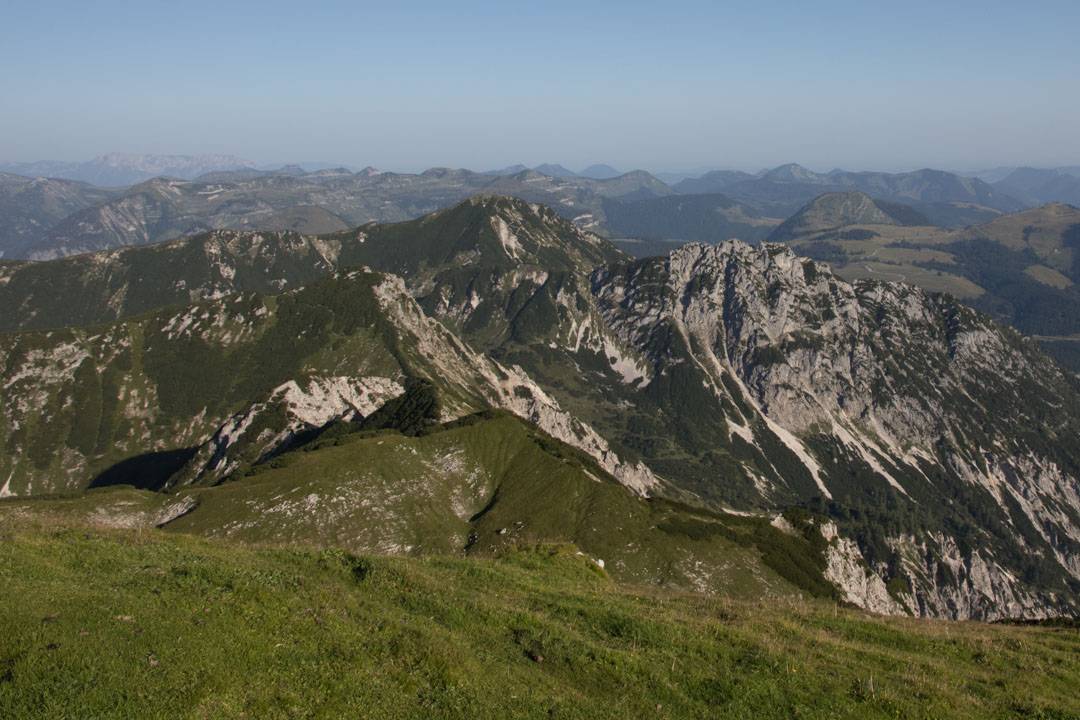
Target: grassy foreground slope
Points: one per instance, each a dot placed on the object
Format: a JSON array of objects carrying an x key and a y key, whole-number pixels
[
  {"x": 479, "y": 486},
  {"x": 148, "y": 624}
]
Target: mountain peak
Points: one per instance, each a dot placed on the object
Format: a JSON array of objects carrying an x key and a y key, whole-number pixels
[
  {"x": 443, "y": 173},
  {"x": 554, "y": 170},
  {"x": 508, "y": 170},
  {"x": 530, "y": 174},
  {"x": 693, "y": 258},
  {"x": 638, "y": 174},
  {"x": 485, "y": 231},
  {"x": 792, "y": 172},
  {"x": 600, "y": 171},
  {"x": 838, "y": 209},
  {"x": 494, "y": 204}
]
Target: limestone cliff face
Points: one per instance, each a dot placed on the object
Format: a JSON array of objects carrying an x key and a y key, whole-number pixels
[
  {"x": 509, "y": 388},
  {"x": 271, "y": 425},
  {"x": 878, "y": 390}
]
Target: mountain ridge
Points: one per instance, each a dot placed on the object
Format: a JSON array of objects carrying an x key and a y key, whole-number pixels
[
  {"x": 781, "y": 191},
  {"x": 1038, "y": 186},
  {"x": 1019, "y": 268},
  {"x": 119, "y": 169},
  {"x": 729, "y": 376},
  {"x": 162, "y": 209}
]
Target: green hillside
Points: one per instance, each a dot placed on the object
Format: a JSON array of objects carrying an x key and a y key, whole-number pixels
[
  {"x": 478, "y": 485},
  {"x": 840, "y": 209},
  {"x": 78, "y": 401},
  {"x": 120, "y": 624}
]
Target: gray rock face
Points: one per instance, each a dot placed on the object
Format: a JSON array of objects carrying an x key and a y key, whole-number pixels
[
  {"x": 846, "y": 569},
  {"x": 249, "y": 437},
  {"x": 880, "y": 391}
]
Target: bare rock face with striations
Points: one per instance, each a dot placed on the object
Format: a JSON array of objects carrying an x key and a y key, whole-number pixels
[{"x": 880, "y": 390}]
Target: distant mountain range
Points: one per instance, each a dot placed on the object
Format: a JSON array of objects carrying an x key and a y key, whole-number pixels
[
  {"x": 712, "y": 182},
  {"x": 51, "y": 218},
  {"x": 600, "y": 172},
  {"x": 944, "y": 198},
  {"x": 119, "y": 169},
  {"x": 54, "y": 217},
  {"x": 594, "y": 172},
  {"x": 1036, "y": 186},
  {"x": 29, "y": 207},
  {"x": 554, "y": 171},
  {"x": 654, "y": 226},
  {"x": 996, "y": 174}
]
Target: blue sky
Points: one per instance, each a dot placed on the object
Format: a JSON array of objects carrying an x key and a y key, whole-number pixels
[{"x": 660, "y": 85}]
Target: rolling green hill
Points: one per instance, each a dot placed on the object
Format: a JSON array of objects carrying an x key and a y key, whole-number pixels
[{"x": 479, "y": 486}]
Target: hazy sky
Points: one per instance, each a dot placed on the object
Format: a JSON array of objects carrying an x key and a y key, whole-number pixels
[{"x": 660, "y": 85}]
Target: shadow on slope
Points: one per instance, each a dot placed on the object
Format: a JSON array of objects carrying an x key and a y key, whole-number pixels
[{"x": 149, "y": 471}]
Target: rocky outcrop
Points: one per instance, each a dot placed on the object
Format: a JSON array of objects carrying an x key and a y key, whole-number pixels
[
  {"x": 953, "y": 584},
  {"x": 272, "y": 425},
  {"x": 776, "y": 383},
  {"x": 846, "y": 568}
]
